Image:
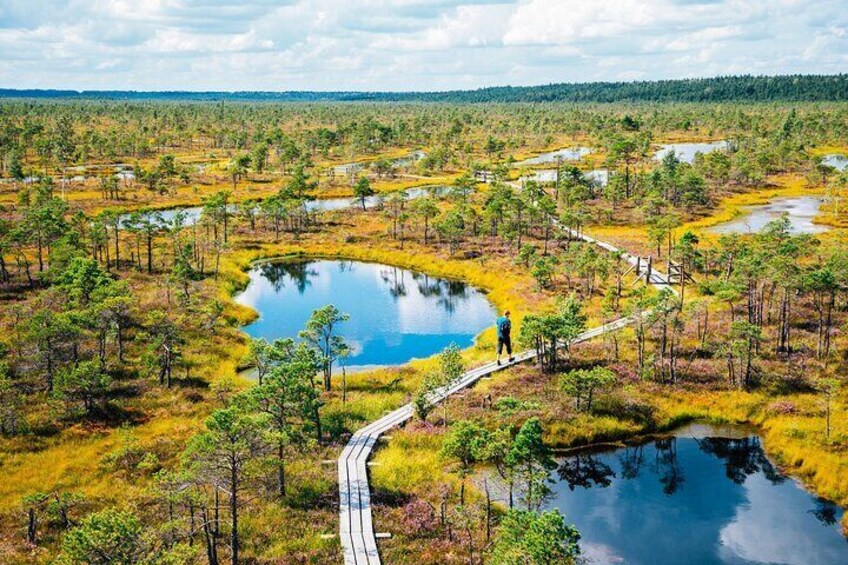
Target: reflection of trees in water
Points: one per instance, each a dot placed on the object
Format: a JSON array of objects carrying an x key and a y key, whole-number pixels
[
  {"x": 742, "y": 457},
  {"x": 395, "y": 280},
  {"x": 630, "y": 459},
  {"x": 668, "y": 468},
  {"x": 825, "y": 512},
  {"x": 427, "y": 286},
  {"x": 299, "y": 273},
  {"x": 585, "y": 470},
  {"x": 457, "y": 289},
  {"x": 346, "y": 266},
  {"x": 457, "y": 292}
]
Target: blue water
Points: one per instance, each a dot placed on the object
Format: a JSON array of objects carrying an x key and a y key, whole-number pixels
[
  {"x": 686, "y": 151},
  {"x": 704, "y": 495},
  {"x": 395, "y": 315}
]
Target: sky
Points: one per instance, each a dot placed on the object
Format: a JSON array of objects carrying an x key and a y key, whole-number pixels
[{"x": 402, "y": 45}]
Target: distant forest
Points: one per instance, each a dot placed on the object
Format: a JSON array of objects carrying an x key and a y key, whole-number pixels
[{"x": 720, "y": 89}]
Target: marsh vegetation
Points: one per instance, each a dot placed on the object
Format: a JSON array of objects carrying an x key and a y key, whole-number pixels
[{"x": 145, "y": 247}]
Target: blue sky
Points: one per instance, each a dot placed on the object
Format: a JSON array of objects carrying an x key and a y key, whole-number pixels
[{"x": 408, "y": 44}]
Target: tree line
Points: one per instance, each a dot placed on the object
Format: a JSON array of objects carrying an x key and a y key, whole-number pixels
[{"x": 750, "y": 88}]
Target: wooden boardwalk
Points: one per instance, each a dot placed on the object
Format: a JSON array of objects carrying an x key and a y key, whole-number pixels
[{"x": 358, "y": 540}]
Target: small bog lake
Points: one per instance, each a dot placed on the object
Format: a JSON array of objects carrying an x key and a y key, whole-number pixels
[
  {"x": 800, "y": 210},
  {"x": 686, "y": 151},
  {"x": 837, "y": 161},
  {"x": 705, "y": 494},
  {"x": 396, "y": 315},
  {"x": 598, "y": 176},
  {"x": 191, "y": 214},
  {"x": 567, "y": 154}
]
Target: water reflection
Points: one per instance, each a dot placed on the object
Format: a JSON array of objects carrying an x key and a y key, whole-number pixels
[
  {"x": 585, "y": 470},
  {"x": 395, "y": 314},
  {"x": 702, "y": 495},
  {"x": 742, "y": 458},
  {"x": 191, "y": 214},
  {"x": 686, "y": 152},
  {"x": 800, "y": 210},
  {"x": 836, "y": 160},
  {"x": 668, "y": 468},
  {"x": 277, "y": 274},
  {"x": 566, "y": 154}
]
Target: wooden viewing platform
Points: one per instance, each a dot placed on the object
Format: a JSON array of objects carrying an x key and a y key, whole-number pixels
[{"x": 356, "y": 530}]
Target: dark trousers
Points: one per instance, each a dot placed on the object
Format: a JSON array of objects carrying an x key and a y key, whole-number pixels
[{"x": 505, "y": 341}]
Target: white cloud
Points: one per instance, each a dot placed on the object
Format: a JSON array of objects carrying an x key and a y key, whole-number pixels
[{"x": 407, "y": 44}]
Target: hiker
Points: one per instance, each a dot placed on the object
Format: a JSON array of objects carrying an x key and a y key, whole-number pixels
[{"x": 504, "y": 328}]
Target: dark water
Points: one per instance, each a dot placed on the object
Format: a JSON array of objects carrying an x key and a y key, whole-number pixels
[
  {"x": 704, "y": 495},
  {"x": 395, "y": 315},
  {"x": 800, "y": 210},
  {"x": 686, "y": 151}
]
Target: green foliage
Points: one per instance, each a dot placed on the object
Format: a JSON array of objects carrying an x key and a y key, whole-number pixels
[
  {"x": 549, "y": 332},
  {"x": 320, "y": 332},
  {"x": 362, "y": 190},
  {"x": 451, "y": 227},
  {"x": 543, "y": 271},
  {"x": 465, "y": 444},
  {"x": 527, "y": 255},
  {"x": 82, "y": 384},
  {"x": 533, "y": 461},
  {"x": 11, "y": 417},
  {"x": 451, "y": 365},
  {"x": 82, "y": 278},
  {"x": 164, "y": 346},
  {"x": 288, "y": 400},
  {"x": 422, "y": 404},
  {"x": 748, "y": 88},
  {"x": 583, "y": 384},
  {"x": 110, "y": 537},
  {"x": 533, "y": 538}
]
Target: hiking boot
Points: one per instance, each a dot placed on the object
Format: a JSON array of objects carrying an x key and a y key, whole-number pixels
[
  {"x": 499, "y": 362},
  {"x": 511, "y": 359}
]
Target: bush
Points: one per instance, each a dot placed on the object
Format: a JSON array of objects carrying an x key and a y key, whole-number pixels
[
  {"x": 423, "y": 407},
  {"x": 335, "y": 425},
  {"x": 109, "y": 537},
  {"x": 510, "y": 404},
  {"x": 583, "y": 384},
  {"x": 533, "y": 538},
  {"x": 419, "y": 518}
]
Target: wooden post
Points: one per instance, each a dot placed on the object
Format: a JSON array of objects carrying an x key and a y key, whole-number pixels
[{"x": 648, "y": 270}]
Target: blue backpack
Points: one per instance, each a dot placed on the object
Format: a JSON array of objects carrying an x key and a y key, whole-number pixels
[{"x": 504, "y": 326}]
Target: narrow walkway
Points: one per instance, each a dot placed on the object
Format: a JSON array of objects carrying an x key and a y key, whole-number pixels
[{"x": 359, "y": 544}]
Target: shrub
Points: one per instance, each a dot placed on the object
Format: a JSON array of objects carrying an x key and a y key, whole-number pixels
[
  {"x": 419, "y": 518},
  {"x": 109, "y": 537},
  {"x": 533, "y": 538}
]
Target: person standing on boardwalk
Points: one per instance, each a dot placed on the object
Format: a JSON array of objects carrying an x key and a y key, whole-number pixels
[{"x": 504, "y": 326}]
